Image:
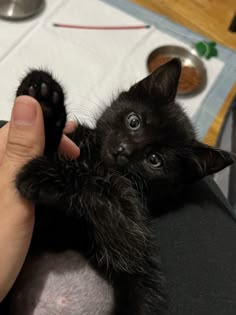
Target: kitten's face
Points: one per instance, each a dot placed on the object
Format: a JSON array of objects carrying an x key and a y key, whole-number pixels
[
  {"x": 145, "y": 131},
  {"x": 144, "y": 139}
]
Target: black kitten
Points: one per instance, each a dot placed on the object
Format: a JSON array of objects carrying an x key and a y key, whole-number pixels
[{"x": 142, "y": 153}]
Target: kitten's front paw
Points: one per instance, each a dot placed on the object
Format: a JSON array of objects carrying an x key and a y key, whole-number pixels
[
  {"x": 42, "y": 86},
  {"x": 39, "y": 182},
  {"x": 49, "y": 93}
]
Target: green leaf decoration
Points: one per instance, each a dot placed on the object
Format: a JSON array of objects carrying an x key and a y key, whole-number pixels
[{"x": 206, "y": 49}]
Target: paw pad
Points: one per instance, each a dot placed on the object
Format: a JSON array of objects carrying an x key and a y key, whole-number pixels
[
  {"x": 55, "y": 97},
  {"x": 31, "y": 91},
  {"x": 43, "y": 88}
]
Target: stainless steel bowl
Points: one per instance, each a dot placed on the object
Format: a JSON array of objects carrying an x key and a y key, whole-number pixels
[
  {"x": 20, "y": 9},
  {"x": 188, "y": 59}
]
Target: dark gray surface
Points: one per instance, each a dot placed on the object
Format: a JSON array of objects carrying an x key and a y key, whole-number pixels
[{"x": 198, "y": 250}]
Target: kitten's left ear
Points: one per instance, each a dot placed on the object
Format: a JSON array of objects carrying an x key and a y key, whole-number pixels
[
  {"x": 207, "y": 160},
  {"x": 161, "y": 84}
]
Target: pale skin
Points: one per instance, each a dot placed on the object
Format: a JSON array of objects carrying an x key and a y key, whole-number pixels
[{"x": 20, "y": 140}]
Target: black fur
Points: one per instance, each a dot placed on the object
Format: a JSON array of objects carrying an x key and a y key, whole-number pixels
[{"x": 142, "y": 153}]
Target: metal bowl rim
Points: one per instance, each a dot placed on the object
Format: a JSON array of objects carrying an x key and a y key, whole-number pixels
[{"x": 196, "y": 62}]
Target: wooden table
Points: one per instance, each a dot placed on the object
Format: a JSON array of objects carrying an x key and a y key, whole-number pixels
[
  {"x": 211, "y": 18},
  {"x": 208, "y": 17}
]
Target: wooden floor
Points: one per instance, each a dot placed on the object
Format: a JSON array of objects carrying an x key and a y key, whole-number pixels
[{"x": 211, "y": 18}]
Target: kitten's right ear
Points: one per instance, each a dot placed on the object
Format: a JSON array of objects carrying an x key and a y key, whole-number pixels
[
  {"x": 161, "y": 84},
  {"x": 206, "y": 160}
]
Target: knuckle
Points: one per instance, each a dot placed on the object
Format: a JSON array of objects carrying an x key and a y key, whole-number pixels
[{"x": 21, "y": 147}]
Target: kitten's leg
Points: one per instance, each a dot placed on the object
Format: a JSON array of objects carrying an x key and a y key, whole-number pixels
[
  {"x": 49, "y": 93},
  {"x": 47, "y": 182},
  {"x": 125, "y": 250},
  {"x": 108, "y": 203}
]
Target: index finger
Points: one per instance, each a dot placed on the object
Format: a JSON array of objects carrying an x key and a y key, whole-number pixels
[{"x": 68, "y": 148}]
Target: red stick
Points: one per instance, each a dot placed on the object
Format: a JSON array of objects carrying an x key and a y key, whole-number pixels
[{"x": 88, "y": 27}]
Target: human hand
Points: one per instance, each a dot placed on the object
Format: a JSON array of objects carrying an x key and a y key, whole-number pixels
[{"x": 20, "y": 140}]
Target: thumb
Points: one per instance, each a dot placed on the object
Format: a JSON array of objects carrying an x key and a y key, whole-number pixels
[
  {"x": 25, "y": 141},
  {"x": 26, "y": 133}
]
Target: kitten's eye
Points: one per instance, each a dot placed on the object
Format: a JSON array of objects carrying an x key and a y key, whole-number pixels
[
  {"x": 155, "y": 160},
  {"x": 133, "y": 121}
]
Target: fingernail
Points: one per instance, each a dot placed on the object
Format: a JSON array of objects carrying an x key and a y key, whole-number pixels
[{"x": 24, "y": 113}]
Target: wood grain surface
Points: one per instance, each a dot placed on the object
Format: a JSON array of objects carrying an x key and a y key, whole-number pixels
[{"x": 211, "y": 18}]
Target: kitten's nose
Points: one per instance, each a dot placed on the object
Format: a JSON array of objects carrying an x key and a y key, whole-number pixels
[{"x": 120, "y": 150}]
